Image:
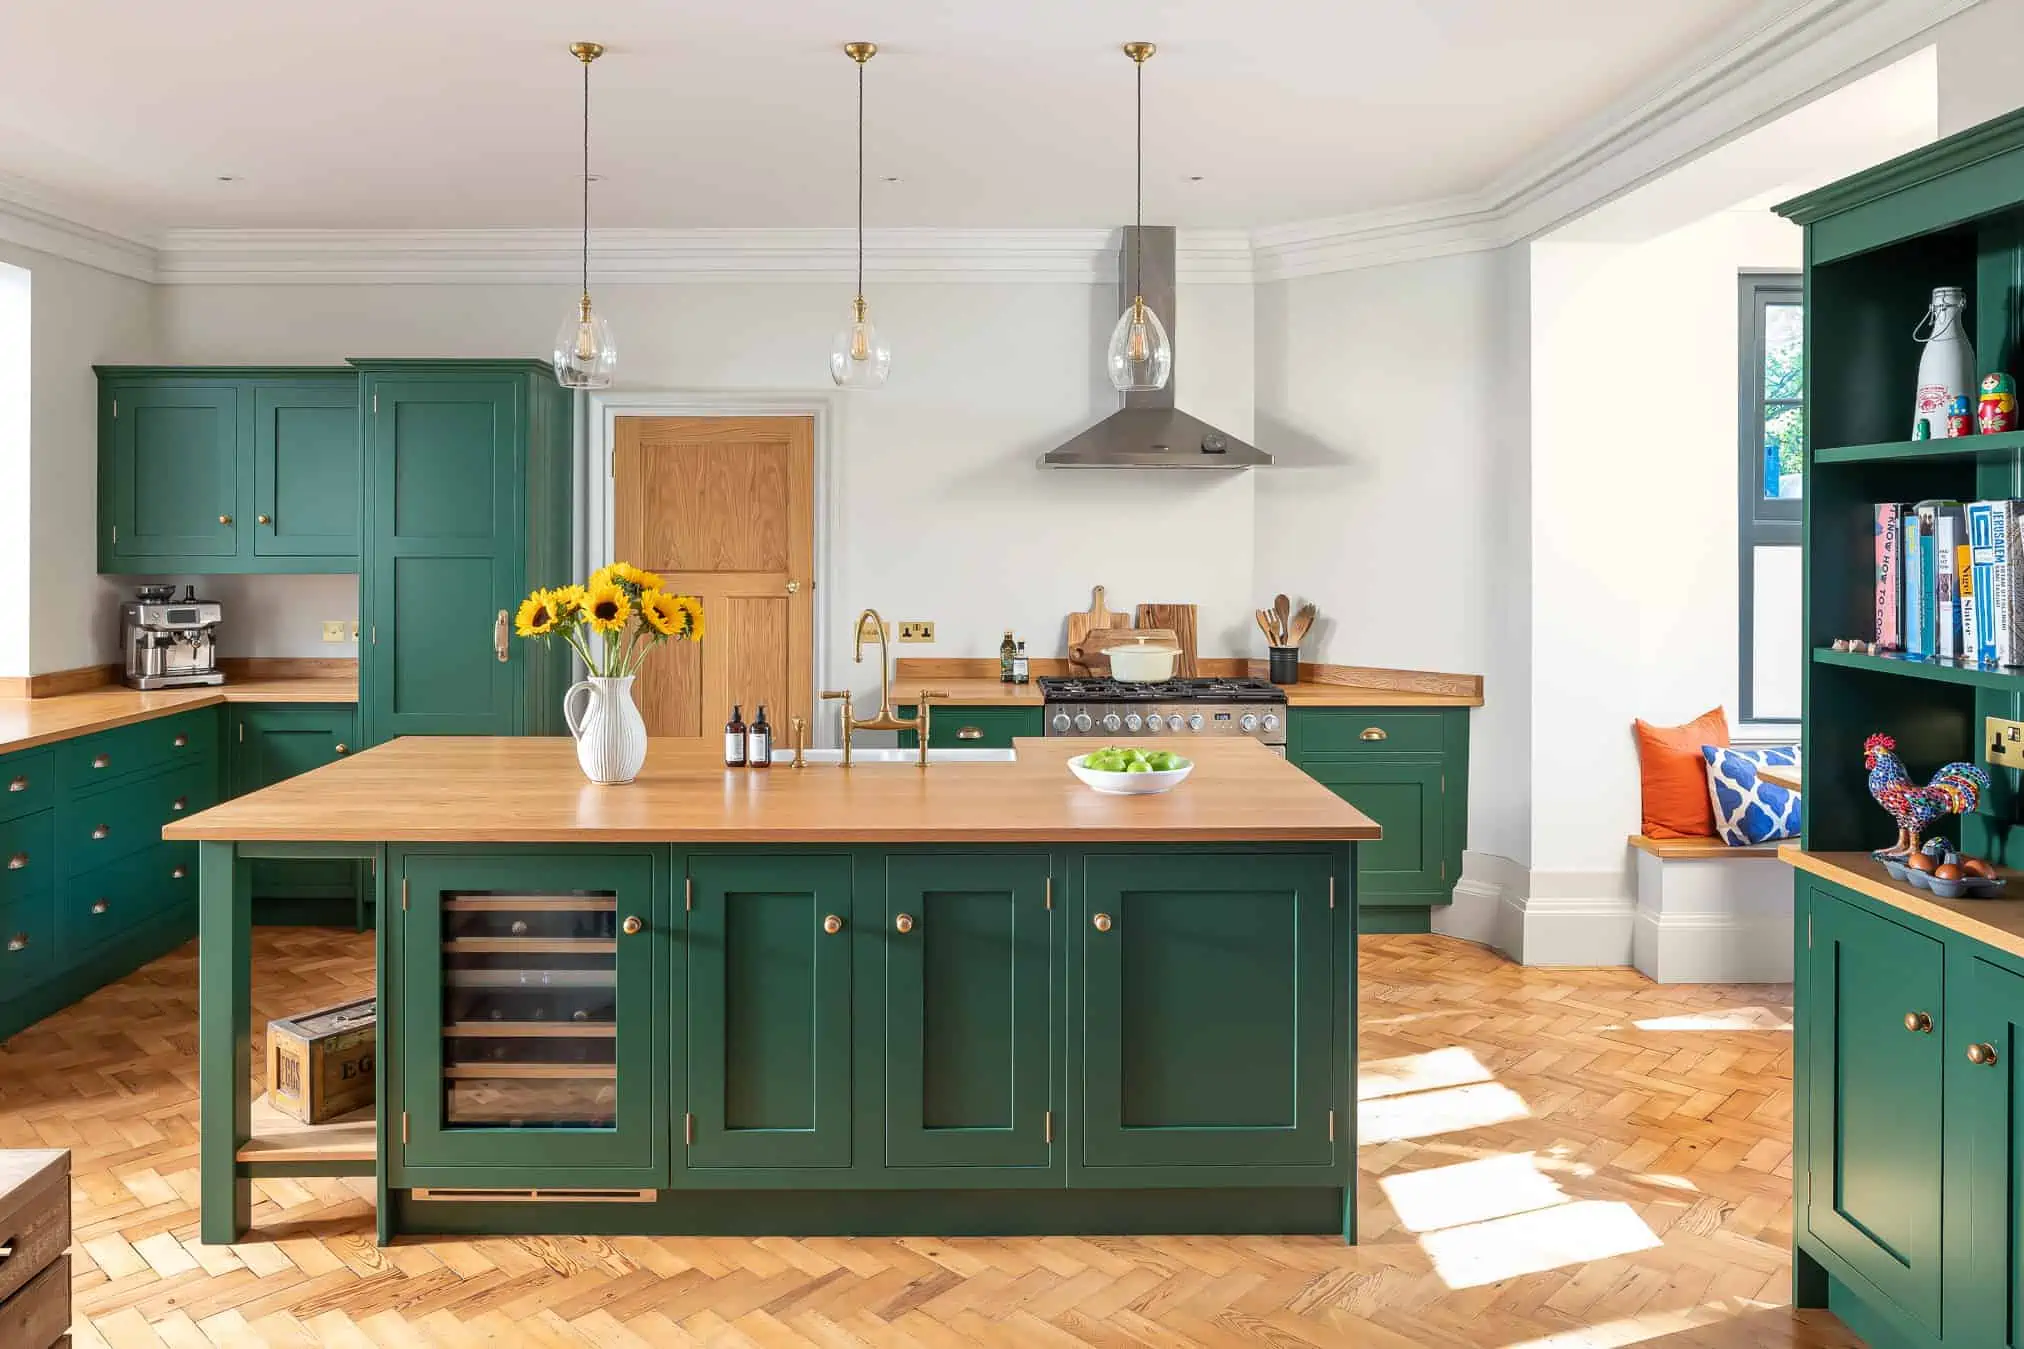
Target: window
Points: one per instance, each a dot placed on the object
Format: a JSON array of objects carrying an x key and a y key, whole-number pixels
[{"x": 1773, "y": 441}]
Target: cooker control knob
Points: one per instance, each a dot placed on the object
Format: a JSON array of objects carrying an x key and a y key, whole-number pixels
[
  {"x": 1061, "y": 723},
  {"x": 1132, "y": 722},
  {"x": 1249, "y": 722},
  {"x": 1111, "y": 721},
  {"x": 1082, "y": 721},
  {"x": 1271, "y": 722},
  {"x": 1153, "y": 723},
  {"x": 1195, "y": 722},
  {"x": 1174, "y": 722}
]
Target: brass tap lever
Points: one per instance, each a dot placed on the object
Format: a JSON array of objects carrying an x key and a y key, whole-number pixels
[
  {"x": 800, "y": 728},
  {"x": 843, "y": 695}
]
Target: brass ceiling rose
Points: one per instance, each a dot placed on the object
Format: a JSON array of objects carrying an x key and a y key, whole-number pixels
[
  {"x": 586, "y": 52},
  {"x": 860, "y": 52},
  {"x": 1139, "y": 51}
]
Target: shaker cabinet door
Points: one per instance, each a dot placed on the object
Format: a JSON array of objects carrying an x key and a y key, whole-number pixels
[
  {"x": 1988, "y": 1093},
  {"x": 769, "y": 1016},
  {"x": 174, "y": 488},
  {"x": 1404, "y": 795},
  {"x": 307, "y": 471}
]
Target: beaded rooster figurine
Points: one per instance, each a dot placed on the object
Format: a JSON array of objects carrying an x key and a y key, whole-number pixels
[{"x": 1955, "y": 790}]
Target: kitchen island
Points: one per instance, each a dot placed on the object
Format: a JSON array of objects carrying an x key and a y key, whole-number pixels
[{"x": 970, "y": 998}]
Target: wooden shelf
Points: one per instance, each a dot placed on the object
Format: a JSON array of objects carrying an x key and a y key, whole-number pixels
[
  {"x": 1997, "y": 922},
  {"x": 1924, "y": 451},
  {"x": 2003, "y": 678},
  {"x": 277, "y": 1138}
]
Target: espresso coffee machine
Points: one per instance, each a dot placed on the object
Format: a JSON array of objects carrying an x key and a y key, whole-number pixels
[{"x": 170, "y": 643}]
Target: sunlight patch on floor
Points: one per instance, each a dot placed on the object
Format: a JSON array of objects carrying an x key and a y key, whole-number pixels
[
  {"x": 1530, "y": 1243},
  {"x": 1427, "y": 1113},
  {"x": 1451, "y": 1067},
  {"x": 1646, "y": 1326},
  {"x": 1470, "y": 1192},
  {"x": 1729, "y": 1018}
]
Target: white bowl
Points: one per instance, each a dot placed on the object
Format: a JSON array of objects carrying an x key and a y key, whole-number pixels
[{"x": 1130, "y": 784}]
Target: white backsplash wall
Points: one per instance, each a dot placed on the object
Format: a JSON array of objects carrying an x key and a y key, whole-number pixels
[{"x": 943, "y": 513}]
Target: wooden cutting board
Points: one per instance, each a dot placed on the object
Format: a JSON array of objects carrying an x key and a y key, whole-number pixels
[
  {"x": 1095, "y": 618},
  {"x": 1180, "y": 620},
  {"x": 1094, "y": 653}
]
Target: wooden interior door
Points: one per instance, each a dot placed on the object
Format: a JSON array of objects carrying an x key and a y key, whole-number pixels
[{"x": 724, "y": 509}]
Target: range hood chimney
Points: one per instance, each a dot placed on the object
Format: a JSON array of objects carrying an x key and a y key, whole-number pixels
[{"x": 1149, "y": 431}]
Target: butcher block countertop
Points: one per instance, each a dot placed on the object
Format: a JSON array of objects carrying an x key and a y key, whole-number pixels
[
  {"x": 1994, "y": 922},
  {"x": 28, "y": 722},
  {"x": 453, "y": 789},
  {"x": 974, "y": 683}
]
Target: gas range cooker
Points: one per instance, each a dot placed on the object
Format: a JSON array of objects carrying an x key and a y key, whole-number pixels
[{"x": 1173, "y": 707}]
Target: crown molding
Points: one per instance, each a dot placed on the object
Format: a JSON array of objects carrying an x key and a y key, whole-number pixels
[{"x": 1751, "y": 72}]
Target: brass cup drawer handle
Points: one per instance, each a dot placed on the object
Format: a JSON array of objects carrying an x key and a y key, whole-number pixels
[
  {"x": 1373, "y": 733},
  {"x": 103, "y": 831},
  {"x": 178, "y": 873},
  {"x": 18, "y": 942},
  {"x": 19, "y": 784},
  {"x": 180, "y": 803},
  {"x": 832, "y": 924},
  {"x": 101, "y": 761},
  {"x": 1919, "y": 1023},
  {"x": 1982, "y": 1055},
  {"x": 181, "y": 742},
  {"x": 904, "y": 923},
  {"x": 100, "y": 905},
  {"x": 970, "y": 733},
  {"x": 632, "y": 926},
  {"x": 17, "y": 861},
  {"x": 1101, "y": 922},
  {"x": 340, "y": 749}
]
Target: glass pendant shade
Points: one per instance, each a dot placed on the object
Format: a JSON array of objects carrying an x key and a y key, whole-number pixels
[
  {"x": 584, "y": 355},
  {"x": 859, "y": 358},
  {"x": 1141, "y": 358}
]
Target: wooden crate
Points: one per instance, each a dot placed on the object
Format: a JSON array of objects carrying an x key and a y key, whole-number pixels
[
  {"x": 320, "y": 1064},
  {"x": 35, "y": 1278}
]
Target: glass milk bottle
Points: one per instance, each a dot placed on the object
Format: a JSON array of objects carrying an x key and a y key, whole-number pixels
[{"x": 1947, "y": 366}]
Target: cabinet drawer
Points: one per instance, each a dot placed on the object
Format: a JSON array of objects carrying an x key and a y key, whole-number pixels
[
  {"x": 34, "y": 1214},
  {"x": 104, "y": 826},
  {"x": 106, "y": 903},
  {"x": 90, "y": 760},
  {"x": 1355, "y": 730},
  {"x": 27, "y": 940},
  {"x": 28, "y": 854},
  {"x": 953, "y": 727},
  {"x": 27, "y": 783}
]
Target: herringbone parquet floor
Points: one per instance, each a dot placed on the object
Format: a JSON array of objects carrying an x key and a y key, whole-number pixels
[{"x": 1550, "y": 1158}]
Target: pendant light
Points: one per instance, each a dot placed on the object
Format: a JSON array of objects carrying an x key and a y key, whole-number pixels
[
  {"x": 1140, "y": 358},
  {"x": 584, "y": 354},
  {"x": 859, "y": 358}
]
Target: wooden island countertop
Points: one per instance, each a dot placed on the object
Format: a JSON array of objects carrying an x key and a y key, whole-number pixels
[{"x": 451, "y": 789}]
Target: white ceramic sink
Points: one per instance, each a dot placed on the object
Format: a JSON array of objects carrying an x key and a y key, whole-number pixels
[{"x": 862, "y": 757}]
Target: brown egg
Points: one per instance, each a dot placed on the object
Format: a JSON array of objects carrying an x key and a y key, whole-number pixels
[
  {"x": 1918, "y": 861},
  {"x": 1975, "y": 866},
  {"x": 1946, "y": 871}
]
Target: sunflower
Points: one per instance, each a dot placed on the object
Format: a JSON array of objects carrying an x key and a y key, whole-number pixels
[
  {"x": 568, "y": 601},
  {"x": 663, "y": 613},
  {"x": 537, "y": 615},
  {"x": 606, "y": 606},
  {"x": 693, "y": 608},
  {"x": 625, "y": 573}
]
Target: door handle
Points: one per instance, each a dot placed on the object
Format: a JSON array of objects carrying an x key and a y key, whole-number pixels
[{"x": 499, "y": 636}]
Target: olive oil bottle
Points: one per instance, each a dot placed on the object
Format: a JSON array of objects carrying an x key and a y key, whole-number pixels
[{"x": 1007, "y": 652}]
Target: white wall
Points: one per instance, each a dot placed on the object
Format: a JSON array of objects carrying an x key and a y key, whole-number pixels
[
  {"x": 1981, "y": 55},
  {"x": 81, "y": 316},
  {"x": 16, "y": 350}
]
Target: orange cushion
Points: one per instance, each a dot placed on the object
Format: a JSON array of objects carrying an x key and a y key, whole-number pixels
[{"x": 1675, "y": 775}]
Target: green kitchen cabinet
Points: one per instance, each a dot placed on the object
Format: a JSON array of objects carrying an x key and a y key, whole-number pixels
[
  {"x": 1173, "y": 1083},
  {"x": 770, "y": 940},
  {"x": 1988, "y": 1095},
  {"x": 467, "y": 509},
  {"x": 531, "y": 1040},
  {"x": 968, "y": 1024},
  {"x": 1873, "y": 1085},
  {"x": 957, "y": 726},
  {"x": 270, "y": 743},
  {"x": 223, "y": 469}
]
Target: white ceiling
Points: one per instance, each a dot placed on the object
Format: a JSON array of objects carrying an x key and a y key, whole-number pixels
[{"x": 443, "y": 114}]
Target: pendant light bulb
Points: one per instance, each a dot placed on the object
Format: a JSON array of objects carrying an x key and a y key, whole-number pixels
[
  {"x": 859, "y": 357},
  {"x": 584, "y": 355},
  {"x": 1140, "y": 358}
]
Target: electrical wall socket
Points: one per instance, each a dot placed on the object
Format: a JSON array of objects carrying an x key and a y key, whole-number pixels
[
  {"x": 2005, "y": 742},
  {"x": 917, "y": 631},
  {"x": 334, "y": 630},
  {"x": 354, "y": 629}
]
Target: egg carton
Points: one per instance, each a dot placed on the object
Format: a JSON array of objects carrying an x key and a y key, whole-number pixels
[{"x": 1970, "y": 887}]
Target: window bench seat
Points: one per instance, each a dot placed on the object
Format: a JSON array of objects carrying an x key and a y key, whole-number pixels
[{"x": 1710, "y": 913}]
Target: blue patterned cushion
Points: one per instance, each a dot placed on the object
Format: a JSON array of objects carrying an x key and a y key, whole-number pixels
[{"x": 1749, "y": 810}]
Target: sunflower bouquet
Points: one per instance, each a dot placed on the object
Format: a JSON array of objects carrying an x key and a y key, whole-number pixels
[{"x": 623, "y": 605}]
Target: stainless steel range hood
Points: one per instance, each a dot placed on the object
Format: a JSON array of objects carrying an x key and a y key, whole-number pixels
[{"x": 1149, "y": 431}]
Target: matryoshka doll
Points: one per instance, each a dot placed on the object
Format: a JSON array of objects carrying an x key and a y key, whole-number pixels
[{"x": 1998, "y": 409}]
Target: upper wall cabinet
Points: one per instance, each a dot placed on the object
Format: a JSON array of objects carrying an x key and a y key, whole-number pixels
[{"x": 212, "y": 470}]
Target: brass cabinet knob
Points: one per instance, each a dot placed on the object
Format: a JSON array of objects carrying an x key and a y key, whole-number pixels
[
  {"x": 103, "y": 831},
  {"x": 18, "y": 942},
  {"x": 832, "y": 925},
  {"x": 100, "y": 905},
  {"x": 101, "y": 761},
  {"x": 265, "y": 519},
  {"x": 1101, "y": 922},
  {"x": 178, "y": 873},
  {"x": 181, "y": 742},
  {"x": 970, "y": 733},
  {"x": 1982, "y": 1055},
  {"x": 17, "y": 861},
  {"x": 224, "y": 519},
  {"x": 632, "y": 926},
  {"x": 19, "y": 784},
  {"x": 340, "y": 748},
  {"x": 180, "y": 803},
  {"x": 1919, "y": 1023},
  {"x": 1372, "y": 733},
  {"x": 904, "y": 923}
]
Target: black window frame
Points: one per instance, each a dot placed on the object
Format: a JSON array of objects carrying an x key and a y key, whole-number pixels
[{"x": 1760, "y": 522}]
